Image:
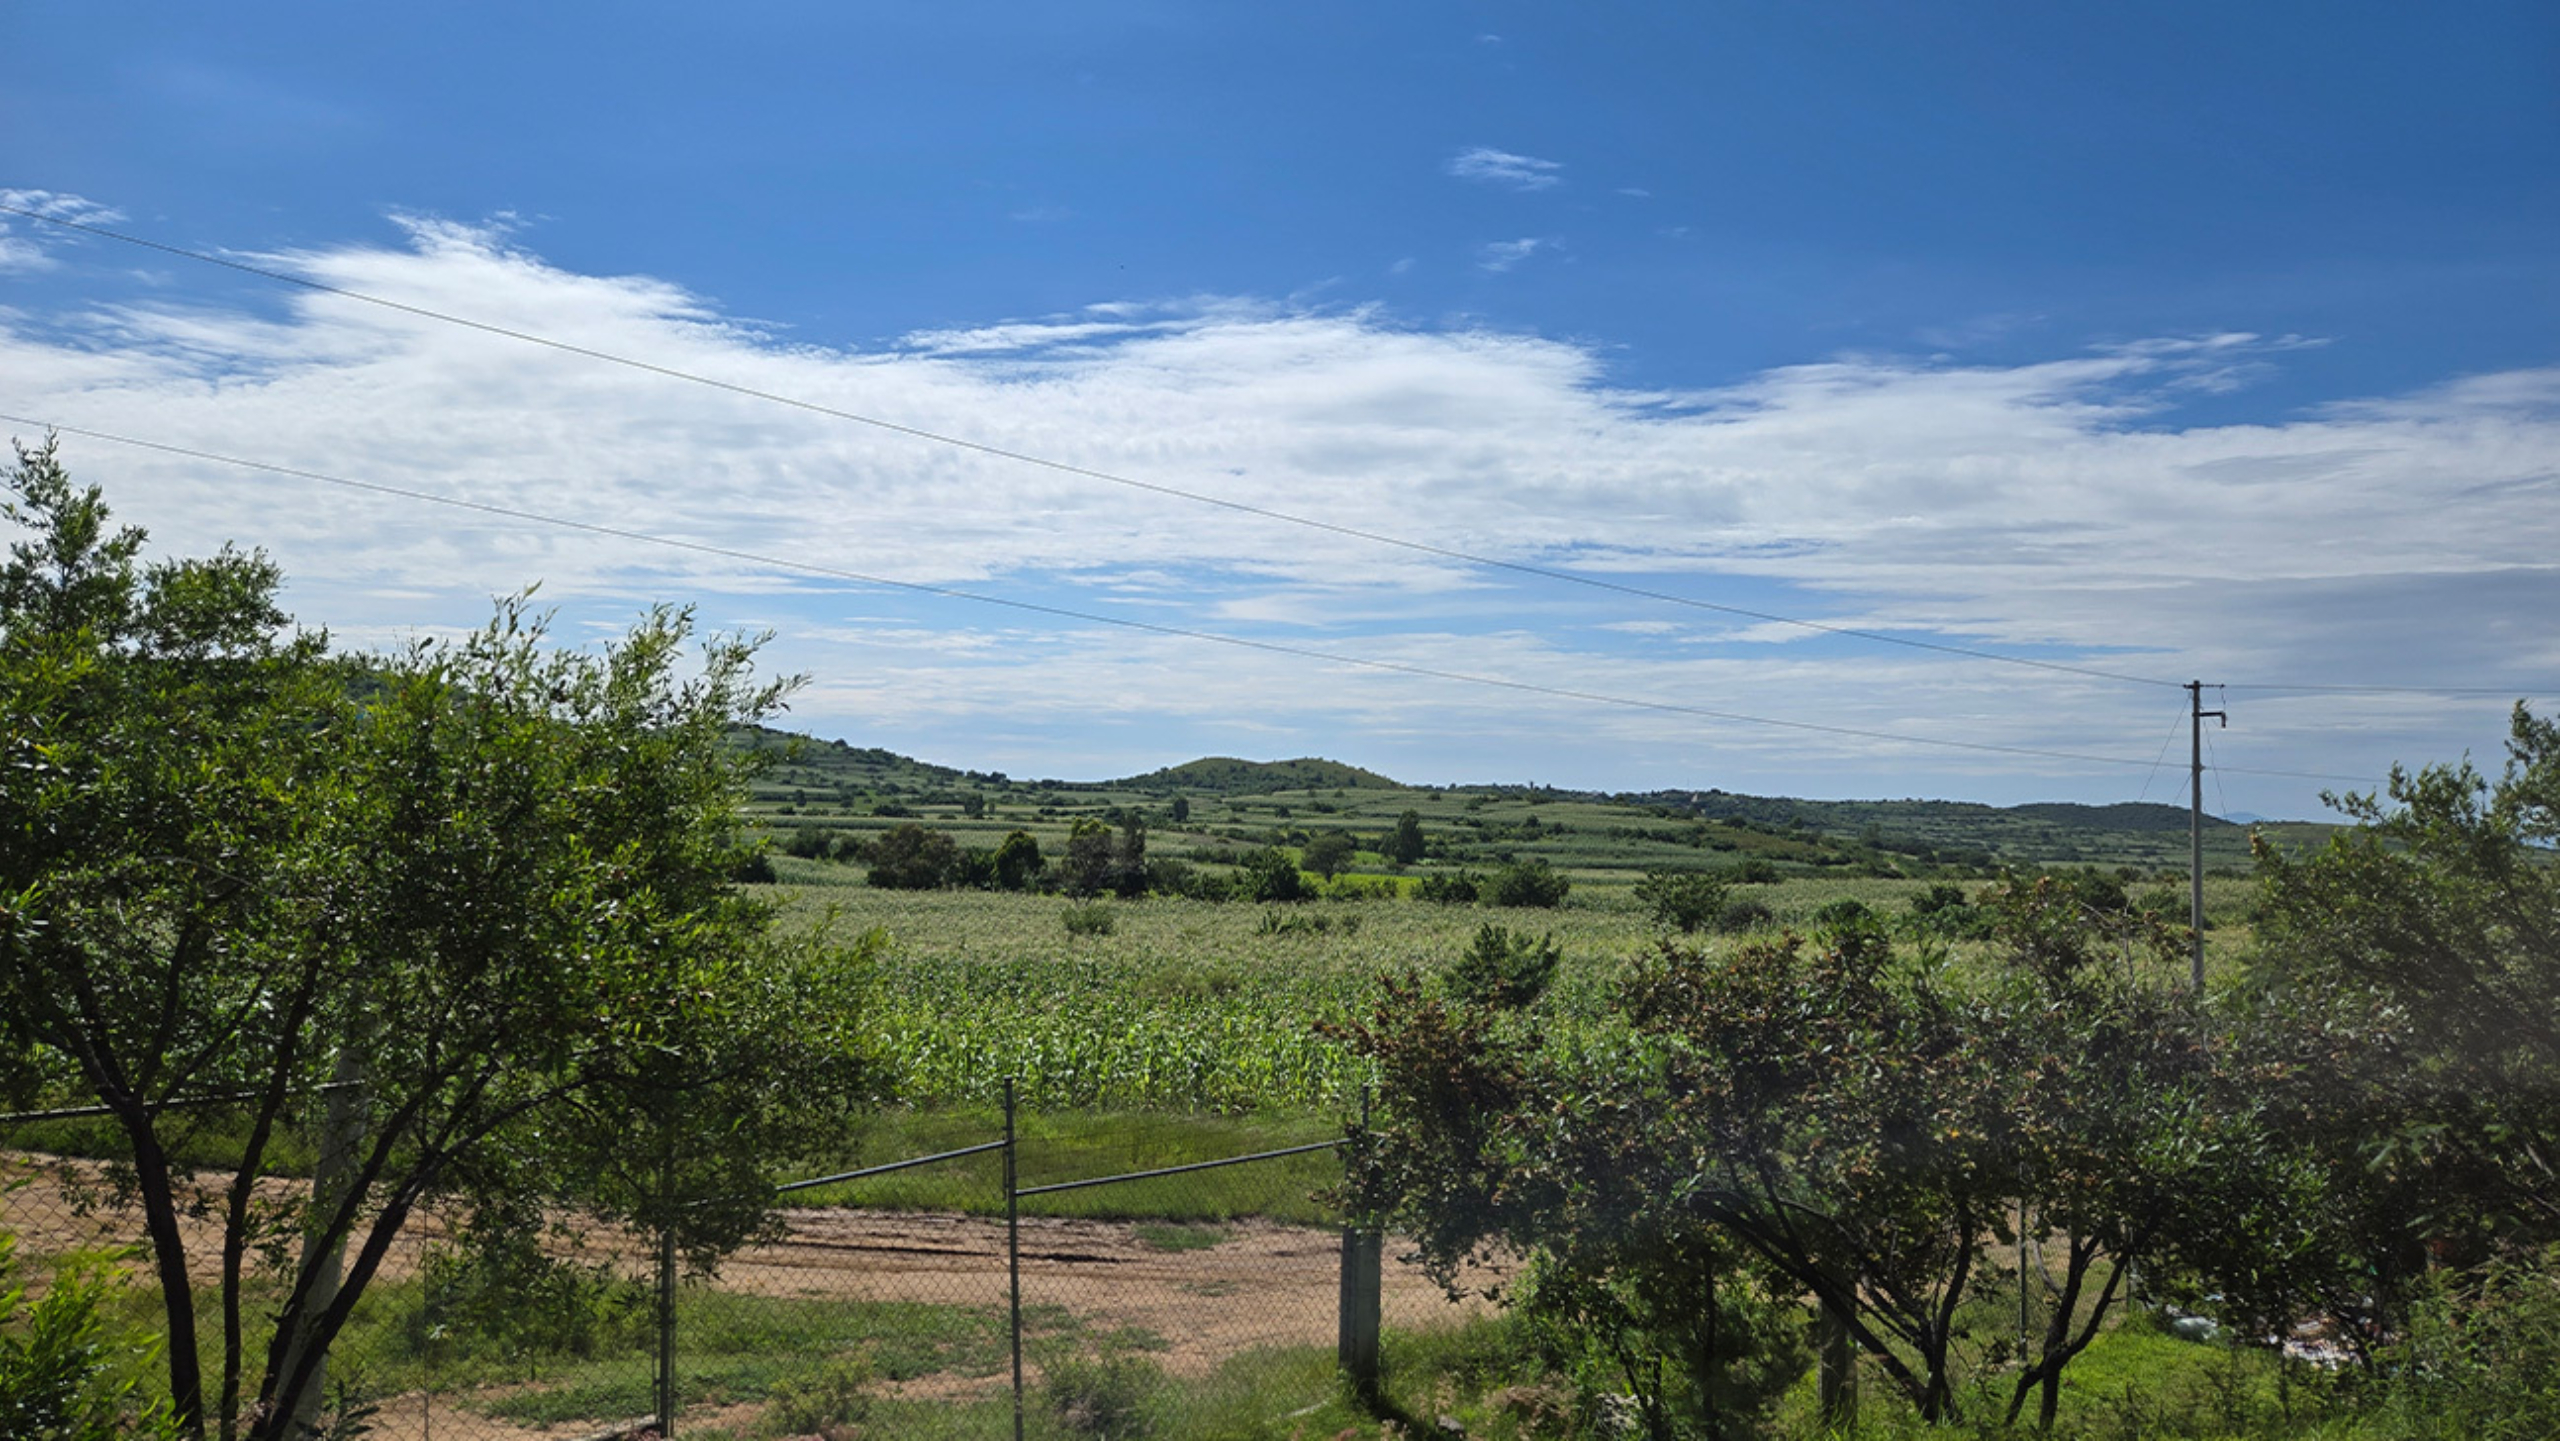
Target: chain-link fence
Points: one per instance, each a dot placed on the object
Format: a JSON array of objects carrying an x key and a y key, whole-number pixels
[{"x": 1004, "y": 1286}]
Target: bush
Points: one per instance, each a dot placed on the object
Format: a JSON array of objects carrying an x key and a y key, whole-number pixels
[
  {"x": 1095, "y": 919},
  {"x": 753, "y": 868},
  {"x": 2481, "y": 1355},
  {"x": 57, "y": 1368},
  {"x": 1455, "y": 888},
  {"x": 1526, "y": 883},
  {"x": 1102, "y": 1396},
  {"x": 1752, "y": 871},
  {"x": 911, "y": 858},
  {"x": 1682, "y": 900},
  {"x": 1745, "y": 914},
  {"x": 1017, "y": 862},
  {"x": 831, "y": 1403},
  {"x": 1845, "y": 911},
  {"x": 1505, "y": 970},
  {"x": 1273, "y": 876}
]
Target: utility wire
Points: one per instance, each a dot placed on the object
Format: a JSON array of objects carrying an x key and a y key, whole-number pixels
[
  {"x": 1067, "y": 468},
  {"x": 1062, "y": 612},
  {"x": 2449, "y": 690}
]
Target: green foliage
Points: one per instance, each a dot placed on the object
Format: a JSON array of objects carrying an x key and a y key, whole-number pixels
[
  {"x": 1451, "y": 888},
  {"x": 488, "y": 881},
  {"x": 810, "y": 843},
  {"x": 1505, "y": 970},
  {"x": 1744, "y": 913},
  {"x": 909, "y": 857},
  {"x": 1682, "y": 900},
  {"x": 1529, "y": 883},
  {"x": 62, "y": 1377},
  {"x": 2480, "y": 1355},
  {"x": 1018, "y": 861},
  {"x": 1329, "y": 853},
  {"x": 1103, "y": 1395},
  {"x": 1093, "y": 919},
  {"x": 499, "y": 1294},
  {"x": 1272, "y": 877},
  {"x": 1687, "y": 1327},
  {"x": 832, "y": 1401},
  {"x": 1406, "y": 845}
]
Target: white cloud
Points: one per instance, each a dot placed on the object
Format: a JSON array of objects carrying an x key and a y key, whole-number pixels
[
  {"x": 1489, "y": 166},
  {"x": 1502, "y": 255},
  {"x": 2058, "y": 507},
  {"x": 27, "y": 246}
]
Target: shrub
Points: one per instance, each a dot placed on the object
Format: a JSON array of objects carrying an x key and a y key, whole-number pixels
[
  {"x": 753, "y": 868},
  {"x": 1526, "y": 883},
  {"x": 1272, "y": 876},
  {"x": 57, "y": 1365},
  {"x": 1017, "y": 862},
  {"x": 1103, "y": 1396},
  {"x": 1745, "y": 914},
  {"x": 1506, "y": 970},
  {"x": 2481, "y": 1354},
  {"x": 911, "y": 858},
  {"x": 1454, "y": 888},
  {"x": 1094, "y": 919},
  {"x": 1751, "y": 871},
  {"x": 1845, "y": 911},
  {"x": 830, "y": 1403},
  {"x": 1682, "y": 900},
  {"x": 810, "y": 843}
]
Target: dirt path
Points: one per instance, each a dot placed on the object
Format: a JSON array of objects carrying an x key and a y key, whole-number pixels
[{"x": 1199, "y": 1294}]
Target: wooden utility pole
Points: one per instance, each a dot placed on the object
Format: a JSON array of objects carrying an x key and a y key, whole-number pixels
[{"x": 2195, "y": 823}]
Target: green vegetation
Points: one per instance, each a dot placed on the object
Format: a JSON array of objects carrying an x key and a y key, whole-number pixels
[{"x": 481, "y": 890}]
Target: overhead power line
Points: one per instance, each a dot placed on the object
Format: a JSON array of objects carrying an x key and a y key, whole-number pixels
[
  {"x": 999, "y": 452},
  {"x": 1094, "y": 618}
]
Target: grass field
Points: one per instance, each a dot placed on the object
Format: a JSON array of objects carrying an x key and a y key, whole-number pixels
[{"x": 1194, "y": 1006}]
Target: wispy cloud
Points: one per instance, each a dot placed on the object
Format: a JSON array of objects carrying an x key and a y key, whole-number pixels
[
  {"x": 1502, "y": 255},
  {"x": 1489, "y": 166},
  {"x": 28, "y": 246},
  {"x": 2057, "y": 506}
]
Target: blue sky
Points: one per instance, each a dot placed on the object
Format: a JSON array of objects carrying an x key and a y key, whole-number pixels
[{"x": 2165, "y": 340}]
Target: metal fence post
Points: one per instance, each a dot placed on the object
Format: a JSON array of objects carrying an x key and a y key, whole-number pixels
[
  {"x": 1356, "y": 1344},
  {"x": 667, "y": 1331},
  {"x": 1013, "y": 1249}
]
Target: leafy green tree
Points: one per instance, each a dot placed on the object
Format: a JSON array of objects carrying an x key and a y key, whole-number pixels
[
  {"x": 2443, "y": 904},
  {"x": 1181, "y": 809},
  {"x": 484, "y": 885},
  {"x": 1406, "y": 845},
  {"x": 1270, "y": 875},
  {"x": 911, "y": 857},
  {"x": 1329, "y": 853},
  {"x": 1682, "y": 900},
  {"x": 1018, "y": 861},
  {"x": 1088, "y": 867},
  {"x": 1529, "y": 883}
]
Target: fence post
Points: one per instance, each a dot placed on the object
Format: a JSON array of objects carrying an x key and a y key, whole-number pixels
[
  {"x": 1013, "y": 1250},
  {"x": 667, "y": 1331},
  {"x": 1356, "y": 1344}
]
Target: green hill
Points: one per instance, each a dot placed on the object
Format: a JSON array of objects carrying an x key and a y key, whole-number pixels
[
  {"x": 1231, "y": 803},
  {"x": 1227, "y": 776}
]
